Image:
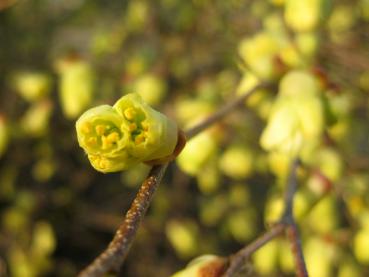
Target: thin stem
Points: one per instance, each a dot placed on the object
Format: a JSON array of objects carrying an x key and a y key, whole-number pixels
[
  {"x": 289, "y": 220},
  {"x": 294, "y": 238},
  {"x": 222, "y": 112},
  {"x": 286, "y": 223},
  {"x": 113, "y": 256},
  {"x": 241, "y": 256},
  {"x": 290, "y": 192}
]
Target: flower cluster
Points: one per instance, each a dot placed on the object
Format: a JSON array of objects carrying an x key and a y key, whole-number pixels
[
  {"x": 296, "y": 121},
  {"x": 117, "y": 137}
]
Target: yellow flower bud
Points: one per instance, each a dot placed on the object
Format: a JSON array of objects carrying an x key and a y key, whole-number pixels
[
  {"x": 324, "y": 216},
  {"x": 153, "y": 136},
  {"x": 286, "y": 259},
  {"x": 35, "y": 122},
  {"x": 283, "y": 131},
  {"x": 305, "y": 15},
  {"x": 299, "y": 83},
  {"x": 44, "y": 241},
  {"x": 361, "y": 246},
  {"x": 151, "y": 88},
  {"x": 121, "y": 136},
  {"x": 307, "y": 43},
  {"x": 319, "y": 257},
  {"x": 32, "y": 86},
  {"x": 190, "y": 110},
  {"x": 197, "y": 153},
  {"x": 76, "y": 87},
  {"x": 297, "y": 120},
  {"x": 204, "y": 266},
  {"x": 259, "y": 53},
  {"x": 241, "y": 224},
  {"x": 237, "y": 162},
  {"x": 183, "y": 235},
  {"x": 266, "y": 258}
]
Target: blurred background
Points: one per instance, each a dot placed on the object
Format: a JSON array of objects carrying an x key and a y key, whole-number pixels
[{"x": 59, "y": 58}]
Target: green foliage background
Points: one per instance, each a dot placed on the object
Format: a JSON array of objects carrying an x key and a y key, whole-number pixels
[{"x": 57, "y": 213}]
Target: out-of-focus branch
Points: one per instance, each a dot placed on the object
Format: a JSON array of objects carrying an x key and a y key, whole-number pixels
[
  {"x": 223, "y": 111},
  {"x": 347, "y": 56},
  {"x": 113, "y": 256},
  {"x": 238, "y": 260},
  {"x": 295, "y": 240},
  {"x": 291, "y": 188},
  {"x": 286, "y": 223},
  {"x": 289, "y": 221}
]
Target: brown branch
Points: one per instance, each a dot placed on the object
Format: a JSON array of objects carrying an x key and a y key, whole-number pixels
[
  {"x": 289, "y": 220},
  {"x": 286, "y": 223},
  {"x": 294, "y": 238},
  {"x": 238, "y": 260},
  {"x": 287, "y": 216},
  {"x": 113, "y": 256},
  {"x": 347, "y": 56},
  {"x": 223, "y": 111}
]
